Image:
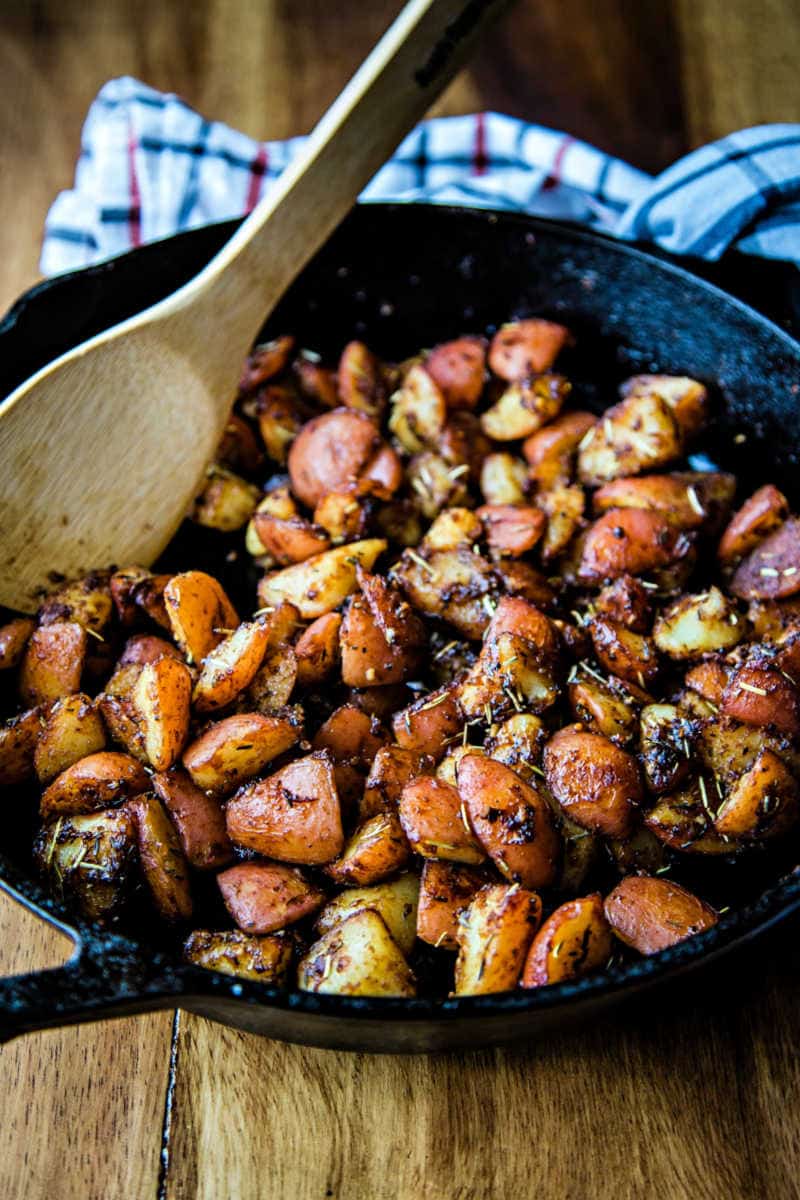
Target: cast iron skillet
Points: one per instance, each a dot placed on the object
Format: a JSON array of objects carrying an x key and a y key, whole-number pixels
[{"x": 404, "y": 277}]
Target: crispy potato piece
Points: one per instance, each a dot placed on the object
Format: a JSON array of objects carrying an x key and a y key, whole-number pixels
[
  {"x": 230, "y": 667},
  {"x": 382, "y": 475},
  {"x": 760, "y": 696},
  {"x": 368, "y": 657},
  {"x": 392, "y": 768},
  {"x": 343, "y": 516},
  {"x": 522, "y": 348},
  {"x": 72, "y": 730},
  {"x": 376, "y": 850},
  {"x": 445, "y": 890},
  {"x": 563, "y": 508},
  {"x": 511, "y": 820},
  {"x": 639, "y": 434},
  {"x": 760, "y": 515},
  {"x": 459, "y": 369},
  {"x": 316, "y": 382},
  {"x": 503, "y": 479},
  {"x": 772, "y": 570},
  {"x": 395, "y": 902},
  {"x": 602, "y": 708},
  {"x": 89, "y": 858},
  {"x": 518, "y": 743},
  {"x": 687, "y": 398},
  {"x": 452, "y": 528},
  {"x": 282, "y": 621},
  {"x": 525, "y": 406},
  {"x": 322, "y": 582},
  {"x": 627, "y": 601},
  {"x": 622, "y": 652},
  {"x": 160, "y": 702},
  {"x": 145, "y": 648},
  {"x": 709, "y": 679},
  {"x": 279, "y": 420},
  {"x": 358, "y": 957},
  {"x": 360, "y": 379},
  {"x": 265, "y": 361},
  {"x": 574, "y": 941},
  {"x": 595, "y": 781},
  {"x": 521, "y": 579},
  {"x": 684, "y": 820},
  {"x": 436, "y": 484},
  {"x": 450, "y": 584},
  {"x": 264, "y": 959},
  {"x": 494, "y": 934},
  {"x": 698, "y": 625},
  {"x": 350, "y": 735},
  {"x": 518, "y": 616},
  {"x": 651, "y": 914},
  {"x": 464, "y": 444},
  {"x": 728, "y": 748},
  {"x": 263, "y": 897},
  {"x": 85, "y": 601},
  {"x": 237, "y": 748},
  {"x": 198, "y": 819},
  {"x": 510, "y": 674},
  {"x": 227, "y": 502},
  {"x": 641, "y": 853},
  {"x": 238, "y": 448},
  {"x": 447, "y": 769},
  {"x": 14, "y": 637},
  {"x": 292, "y": 816},
  {"x": 428, "y": 724},
  {"x": 97, "y": 781},
  {"x": 291, "y": 539},
  {"x": 317, "y": 650},
  {"x": 18, "y": 740},
  {"x": 137, "y": 593},
  {"x": 53, "y": 662},
  {"x": 512, "y": 529},
  {"x": 330, "y": 452},
  {"x": 200, "y": 613},
  {"x": 419, "y": 411},
  {"x": 550, "y": 452},
  {"x": 667, "y": 739},
  {"x": 273, "y": 683},
  {"x": 690, "y": 499},
  {"x": 630, "y": 541},
  {"x": 762, "y": 804},
  {"x": 432, "y": 819}
]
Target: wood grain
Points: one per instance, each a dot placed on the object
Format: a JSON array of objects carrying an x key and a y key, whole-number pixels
[{"x": 692, "y": 1097}]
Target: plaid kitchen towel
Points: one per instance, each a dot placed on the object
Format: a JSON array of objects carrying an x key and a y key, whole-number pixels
[{"x": 150, "y": 165}]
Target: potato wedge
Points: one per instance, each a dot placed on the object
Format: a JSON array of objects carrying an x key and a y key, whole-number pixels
[
  {"x": 162, "y": 860},
  {"x": 317, "y": 650},
  {"x": 72, "y": 730},
  {"x": 263, "y": 959},
  {"x": 395, "y": 902},
  {"x": 90, "y": 859},
  {"x": 198, "y": 819},
  {"x": 689, "y": 499},
  {"x": 376, "y": 850},
  {"x": 97, "y": 781},
  {"x": 273, "y": 683},
  {"x": 289, "y": 539},
  {"x": 418, "y": 411},
  {"x": 504, "y": 479},
  {"x": 453, "y": 528},
  {"x": 199, "y": 612},
  {"x": 357, "y": 957},
  {"x": 522, "y": 348},
  {"x": 428, "y": 724},
  {"x": 360, "y": 380},
  {"x": 263, "y": 897},
  {"x": 368, "y": 657},
  {"x": 18, "y": 741},
  {"x": 698, "y": 625},
  {"x": 511, "y": 820},
  {"x": 230, "y": 667},
  {"x": 574, "y": 941},
  {"x": 525, "y": 406},
  {"x": 762, "y": 804},
  {"x": 145, "y": 648},
  {"x": 602, "y": 707},
  {"x": 563, "y": 510},
  {"x": 391, "y": 769},
  {"x": 518, "y": 744},
  {"x": 160, "y": 702},
  {"x": 53, "y": 662},
  {"x": 445, "y": 890},
  {"x": 629, "y": 655},
  {"x": 627, "y": 601},
  {"x": 343, "y": 515},
  {"x": 494, "y": 934},
  {"x": 638, "y": 434},
  {"x": 292, "y": 816},
  {"x": 594, "y": 781},
  {"x": 666, "y": 746},
  {"x": 772, "y": 570},
  {"x": 431, "y": 815},
  {"x": 322, "y": 582},
  {"x": 456, "y": 585},
  {"x": 760, "y": 515},
  {"x": 350, "y": 735},
  {"x": 14, "y": 637},
  {"x": 235, "y": 749},
  {"x": 651, "y": 914},
  {"x": 687, "y": 398},
  {"x": 138, "y": 593}
]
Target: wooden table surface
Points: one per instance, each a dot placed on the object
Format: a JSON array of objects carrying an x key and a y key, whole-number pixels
[{"x": 693, "y": 1094}]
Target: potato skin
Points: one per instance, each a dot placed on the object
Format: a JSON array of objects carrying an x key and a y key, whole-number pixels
[
  {"x": 198, "y": 612},
  {"x": 360, "y": 380},
  {"x": 198, "y": 819},
  {"x": 163, "y": 863},
  {"x": 146, "y": 648},
  {"x": 18, "y": 740},
  {"x": 511, "y": 821},
  {"x": 523, "y": 348},
  {"x": 230, "y": 667},
  {"x": 357, "y": 957},
  {"x": 391, "y": 769},
  {"x": 760, "y": 515},
  {"x": 14, "y": 636},
  {"x": 95, "y": 782},
  {"x": 624, "y": 653},
  {"x": 317, "y": 650},
  {"x": 427, "y": 724},
  {"x": 430, "y": 813},
  {"x": 292, "y": 816},
  {"x": 52, "y": 664},
  {"x": 574, "y": 941},
  {"x": 494, "y": 934},
  {"x": 459, "y": 368},
  {"x": 106, "y": 841},
  {"x": 595, "y": 781},
  {"x": 376, "y": 850},
  {"x": 772, "y": 570},
  {"x": 760, "y": 696},
  {"x": 512, "y": 529},
  {"x": 698, "y": 625},
  {"x": 330, "y": 452},
  {"x": 264, "y": 959},
  {"x": 160, "y": 700},
  {"x": 651, "y": 914},
  {"x": 236, "y": 748},
  {"x": 763, "y": 802},
  {"x": 322, "y": 582},
  {"x": 630, "y": 541},
  {"x": 264, "y": 897},
  {"x": 395, "y": 902},
  {"x": 550, "y": 452},
  {"x": 446, "y": 888}
]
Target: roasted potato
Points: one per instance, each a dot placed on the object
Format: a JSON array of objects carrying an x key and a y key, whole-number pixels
[
  {"x": 428, "y": 724},
  {"x": 630, "y": 541},
  {"x": 360, "y": 380},
  {"x": 418, "y": 411},
  {"x": 237, "y": 748},
  {"x": 494, "y": 934},
  {"x": 594, "y": 781},
  {"x": 525, "y": 406},
  {"x": 376, "y": 850},
  {"x": 264, "y": 897},
  {"x": 162, "y": 860},
  {"x": 18, "y": 741},
  {"x": 317, "y": 650},
  {"x": 391, "y": 769},
  {"x": 72, "y": 730},
  {"x": 97, "y": 781},
  {"x": 264, "y": 959},
  {"x": 322, "y": 582},
  {"x": 629, "y": 655},
  {"x": 357, "y": 957},
  {"x": 651, "y": 914},
  {"x": 395, "y": 902},
  {"x": 520, "y": 349},
  {"x": 459, "y": 370},
  {"x": 698, "y": 625},
  {"x": 573, "y": 941},
  {"x": 446, "y": 889},
  {"x": 160, "y": 703},
  {"x": 760, "y": 515},
  {"x": 772, "y": 570},
  {"x": 292, "y": 816},
  {"x": 53, "y": 662},
  {"x": 638, "y": 434},
  {"x": 432, "y": 819},
  {"x": 14, "y": 637},
  {"x": 230, "y": 667},
  {"x": 503, "y": 479},
  {"x": 227, "y": 501},
  {"x": 90, "y": 858},
  {"x": 199, "y": 612},
  {"x": 198, "y": 819}
]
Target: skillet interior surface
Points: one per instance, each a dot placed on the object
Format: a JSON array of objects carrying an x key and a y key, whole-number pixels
[{"x": 401, "y": 277}]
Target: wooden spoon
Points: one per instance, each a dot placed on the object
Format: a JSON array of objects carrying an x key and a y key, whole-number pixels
[{"x": 102, "y": 451}]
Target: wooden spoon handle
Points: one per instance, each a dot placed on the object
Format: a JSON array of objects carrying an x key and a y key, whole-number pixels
[{"x": 390, "y": 92}]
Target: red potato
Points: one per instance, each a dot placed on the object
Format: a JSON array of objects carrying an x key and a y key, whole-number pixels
[
  {"x": 689, "y": 499},
  {"x": 368, "y": 658},
  {"x": 343, "y": 515},
  {"x": 394, "y": 901},
  {"x": 512, "y": 529},
  {"x": 292, "y": 816},
  {"x": 630, "y": 541},
  {"x": 226, "y": 502},
  {"x": 291, "y": 539},
  {"x": 237, "y": 748},
  {"x": 503, "y": 479},
  {"x": 316, "y": 382},
  {"x": 494, "y": 934},
  {"x": 350, "y": 735},
  {"x": 686, "y": 398},
  {"x": 279, "y": 416},
  {"x": 330, "y": 452},
  {"x": 376, "y": 850},
  {"x": 432, "y": 819},
  {"x": 603, "y": 708},
  {"x": 230, "y": 667},
  {"x": 459, "y": 368},
  {"x": 145, "y": 648},
  {"x": 419, "y": 412},
  {"x": 521, "y": 579},
  {"x": 524, "y": 407},
  {"x": 596, "y": 783},
  {"x": 18, "y": 741},
  {"x": 523, "y": 348},
  {"x": 138, "y": 593},
  {"x": 97, "y": 781},
  {"x": 563, "y": 508},
  {"x": 160, "y": 706},
  {"x": 651, "y": 914},
  {"x": 264, "y": 897},
  {"x": 85, "y": 601},
  {"x": 198, "y": 819},
  {"x": 639, "y": 434},
  {"x": 511, "y": 820},
  {"x": 358, "y": 957},
  {"x": 265, "y": 361},
  {"x": 627, "y": 602},
  {"x": 382, "y": 475},
  {"x": 772, "y": 570},
  {"x": 162, "y": 861},
  {"x": 72, "y": 730},
  {"x": 428, "y": 724},
  {"x": 709, "y": 679},
  {"x": 760, "y": 515},
  {"x": 763, "y": 803},
  {"x": 360, "y": 380},
  {"x": 14, "y": 637},
  {"x": 456, "y": 585},
  {"x": 760, "y": 696},
  {"x": 629, "y": 655},
  {"x": 238, "y": 448},
  {"x": 199, "y": 612},
  {"x": 446, "y": 888},
  {"x": 264, "y": 959},
  {"x": 53, "y": 662},
  {"x": 273, "y": 683},
  {"x": 322, "y": 582},
  {"x": 89, "y": 858},
  {"x": 550, "y": 452},
  {"x": 574, "y": 941},
  {"x": 518, "y": 616},
  {"x": 317, "y": 650},
  {"x": 392, "y": 768}
]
